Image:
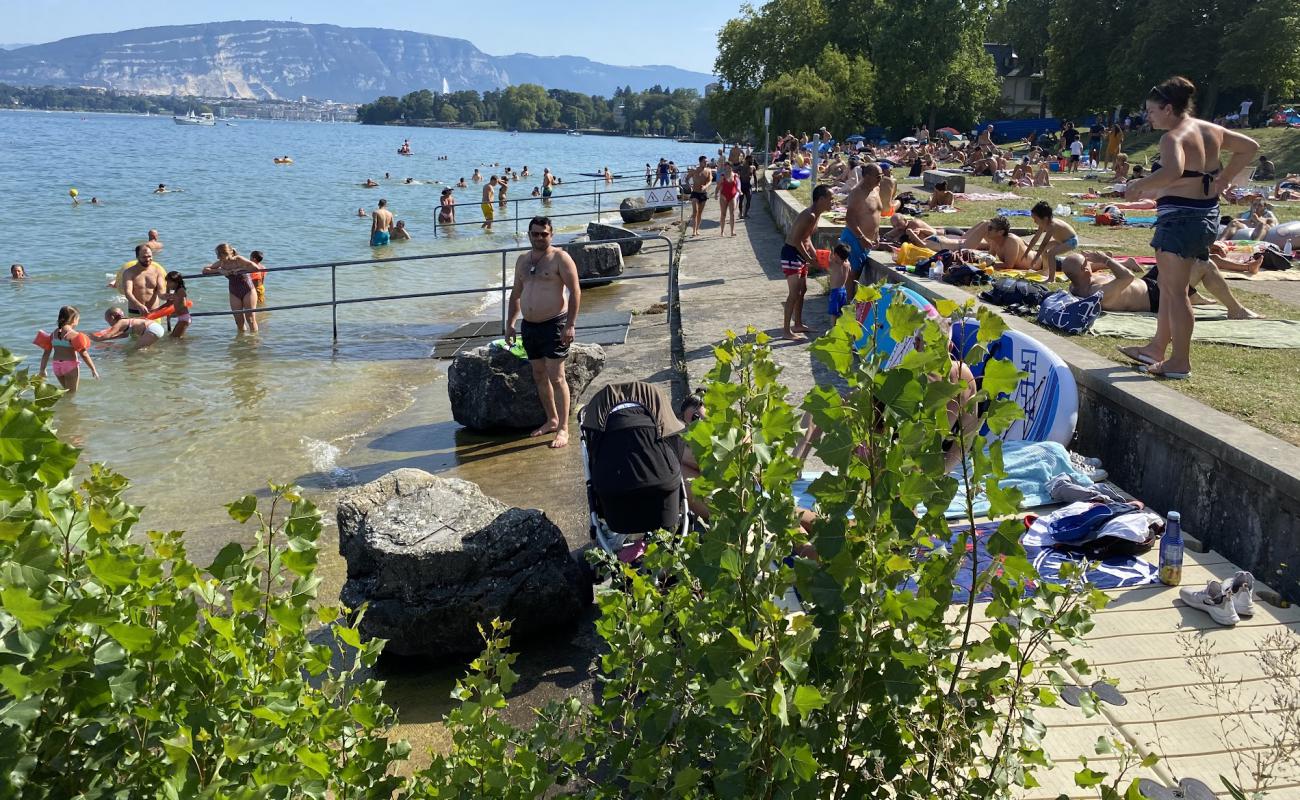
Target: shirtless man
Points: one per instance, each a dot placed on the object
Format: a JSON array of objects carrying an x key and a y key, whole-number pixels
[
  {"x": 995, "y": 237},
  {"x": 548, "y": 183},
  {"x": 796, "y": 254},
  {"x": 888, "y": 188},
  {"x": 154, "y": 243},
  {"x": 542, "y": 278},
  {"x": 1129, "y": 290},
  {"x": 941, "y": 196},
  {"x": 861, "y": 223},
  {"x": 904, "y": 228},
  {"x": 701, "y": 178},
  {"x": 489, "y": 189},
  {"x": 143, "y": 282},
  {"x": 381, "y": 221}
]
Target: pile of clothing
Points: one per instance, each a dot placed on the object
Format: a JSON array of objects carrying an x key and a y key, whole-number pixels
[{"x": 1098, "y": 528}]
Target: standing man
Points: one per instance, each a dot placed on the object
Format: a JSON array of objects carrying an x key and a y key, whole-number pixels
[
  {"x": 381, "y": 221},
  {"x": 1095, "y": 132},
  {"x": 543, "y": 276},
  {"x": 488, "y": 196},
  {"x": 663, "y": 172},
  {"x": 142, "y": 282},
  {"x": 701, "y": 178},
  {"x": 796, "y": 254},
  {"x": 154, "y": 243},
  {"x": 862, "y": 223}
]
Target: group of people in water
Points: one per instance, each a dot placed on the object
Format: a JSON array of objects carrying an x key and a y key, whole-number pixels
[{"x": 157, "y": 306}]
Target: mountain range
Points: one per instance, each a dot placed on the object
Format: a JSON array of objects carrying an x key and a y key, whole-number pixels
[{"x": 287, "y": 60}]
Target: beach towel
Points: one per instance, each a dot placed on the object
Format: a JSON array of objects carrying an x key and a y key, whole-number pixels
[
  {"x": 1110, "y": 573},
  {"x": 1292, "y": 274},
  {"x": 1013, "y": 212},
  {"x": 1030, "y": 466},
  {"x": 1212, "y": 325},
  {"x": 980, "y": 197}
]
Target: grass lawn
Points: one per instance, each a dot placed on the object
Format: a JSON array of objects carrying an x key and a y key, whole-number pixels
[{"x": 1259, "y": 387}]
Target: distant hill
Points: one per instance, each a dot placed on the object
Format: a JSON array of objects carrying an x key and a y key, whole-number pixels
[
  {"x": 286, "y": 60},
  {"x": 13, "y": 46}
]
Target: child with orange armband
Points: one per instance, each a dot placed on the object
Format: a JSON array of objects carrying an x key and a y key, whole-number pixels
[
  {"x": 64, "y": 346},
  {"x": 179, "y": 301}
]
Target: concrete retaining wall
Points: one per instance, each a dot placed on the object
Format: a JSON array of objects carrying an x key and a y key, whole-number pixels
[
  {"x": 785, "y": 207},
  {"x": 1237, "y": 488}
]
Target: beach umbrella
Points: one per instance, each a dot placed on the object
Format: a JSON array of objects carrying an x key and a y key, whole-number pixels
[
  {"x": 908, "y": 140},
  {"x": 855, "y": 138},
  {"x": 949, "y": 133}
]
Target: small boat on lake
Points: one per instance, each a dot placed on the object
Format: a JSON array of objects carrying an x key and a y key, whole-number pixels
[{"x": 205, "y": 119}]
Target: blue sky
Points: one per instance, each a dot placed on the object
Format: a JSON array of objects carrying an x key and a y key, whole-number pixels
[{"x": 682, "y": 33}]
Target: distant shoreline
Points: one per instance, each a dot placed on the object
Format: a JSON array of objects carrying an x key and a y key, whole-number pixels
[{"x": 458, "y": 126}]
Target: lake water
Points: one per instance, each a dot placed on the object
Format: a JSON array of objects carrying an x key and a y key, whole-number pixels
[{"x": 196, "y": 422}]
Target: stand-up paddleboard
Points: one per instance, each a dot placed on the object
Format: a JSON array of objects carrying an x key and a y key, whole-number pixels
[
  {"x": 1048, "y": 394},
  {"x": 875, "y": 323}
]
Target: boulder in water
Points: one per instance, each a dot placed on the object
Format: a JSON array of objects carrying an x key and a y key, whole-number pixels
[
  {"x": 596, "y": 261},
  {"x": 492, "y": 389},
  {"x": 628, "y": 241},
  {"x": 434, "y": 558},
  {"x": 634, "y": 209}
]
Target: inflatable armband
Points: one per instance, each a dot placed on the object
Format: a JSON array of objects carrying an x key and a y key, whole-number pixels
[
  {"x": 80, "y": 342},
  {"x": 43, "y": 340},
  {"x": 168, "y": 310}
]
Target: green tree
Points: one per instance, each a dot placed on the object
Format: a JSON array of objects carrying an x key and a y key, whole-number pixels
[
  {"x": 419, "y": 105},
  {"x": 1261, "y": 49},
  {"x": 448, "y": 113},
  {"x": 852, "y": 82},
  {"x": 801, "y": 100}
]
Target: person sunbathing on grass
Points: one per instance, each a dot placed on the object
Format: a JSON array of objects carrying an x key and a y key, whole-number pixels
[
  {"x": 995, "y": 237},
  {"x": 1249, "y": 264},
  {"x": 1127, "y": 289},
  {"x": 904, "y": 228}
]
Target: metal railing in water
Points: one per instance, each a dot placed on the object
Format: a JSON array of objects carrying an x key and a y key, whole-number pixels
[
  {"x": 333, "y": 266},
  {"x": 516, "y": 218}
]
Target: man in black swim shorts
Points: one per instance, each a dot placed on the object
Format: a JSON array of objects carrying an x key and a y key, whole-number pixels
[
  {"x": 544, "y": 277},
  {"x": 701, "y": 179}
]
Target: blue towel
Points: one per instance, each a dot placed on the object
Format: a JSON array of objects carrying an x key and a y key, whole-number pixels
[
  {"x": 1029, "y": 466},
  {"x": 1013, "y": 212}
]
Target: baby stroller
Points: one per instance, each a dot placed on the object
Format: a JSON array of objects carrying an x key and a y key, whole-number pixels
[{"x": 631, "y": 454}]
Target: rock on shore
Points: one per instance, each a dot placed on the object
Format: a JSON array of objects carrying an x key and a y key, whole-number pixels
[
  {"x": 627, "y": 240},
  {"x": 493, "y": 389},
  {"x": 435, "y": 558},
  {"x": 596, "y": 261},
  {"x": 634, "y": 209}
]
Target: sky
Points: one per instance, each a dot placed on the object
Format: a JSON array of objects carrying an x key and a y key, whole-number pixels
[{"x": 681, "y": 33}]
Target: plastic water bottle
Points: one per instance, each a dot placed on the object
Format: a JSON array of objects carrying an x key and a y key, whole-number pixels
[
  {"x": 1171, "y": 551},
  {"x": 1287, "y": 249}
]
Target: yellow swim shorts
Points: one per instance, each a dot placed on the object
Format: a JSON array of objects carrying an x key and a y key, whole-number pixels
[{"x": 487, "y": 211}]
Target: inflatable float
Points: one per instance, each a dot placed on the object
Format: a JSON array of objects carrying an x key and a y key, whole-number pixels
[
  {"x": 1047, "y": 394},
  {"x": 168, "y": 310},
  {"x": 80, "y": 341},
  {"x": 875, "y": 324}
]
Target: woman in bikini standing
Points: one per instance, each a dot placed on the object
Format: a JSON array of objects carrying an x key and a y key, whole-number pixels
[
  {"x": 238, "y": 271},
  {"x": 1186, "y": 186}
]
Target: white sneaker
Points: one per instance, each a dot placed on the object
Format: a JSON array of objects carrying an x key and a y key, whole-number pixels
[
  {"x": 1213, "y": 601},
  {"x": 1242, "y": 588}
]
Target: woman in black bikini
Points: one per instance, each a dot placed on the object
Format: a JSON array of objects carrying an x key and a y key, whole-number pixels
[
  {"x": 1186, "y": 191},
  {"x": 238, "y": 271}
]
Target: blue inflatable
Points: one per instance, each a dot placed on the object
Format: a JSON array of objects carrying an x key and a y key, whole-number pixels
[
  {"x": 875, "y": 323},
  {"x": 800, "y": 172},
  {"x": 1047, "y": 394}
]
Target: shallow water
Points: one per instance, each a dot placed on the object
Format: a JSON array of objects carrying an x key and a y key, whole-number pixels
[{"x": 197, "y": 422}]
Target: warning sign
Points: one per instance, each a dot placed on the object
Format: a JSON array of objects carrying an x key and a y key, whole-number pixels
[{"x": 661, "y": 196}]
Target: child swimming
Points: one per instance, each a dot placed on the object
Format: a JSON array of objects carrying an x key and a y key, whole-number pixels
[
  {"x": 65, "y": 345},
  {"x": 143, "y": 332},
  {"x": 177, "y": 297}
]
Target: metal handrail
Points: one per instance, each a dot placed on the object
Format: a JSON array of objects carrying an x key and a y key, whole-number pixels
[
  {"x": 334, "y": 302},
  {"x": 515, "y": 218}
]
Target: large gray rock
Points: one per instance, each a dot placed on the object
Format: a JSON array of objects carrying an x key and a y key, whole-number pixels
[
  {"x": 596, "y": 261},
  {"x": 634, "y": 209},
  {"x": 955, "y": 179},
  {"x": 493, "y": 389},
  {"x": 628, "y": 241},
  {"x": 434, "y": 558}
]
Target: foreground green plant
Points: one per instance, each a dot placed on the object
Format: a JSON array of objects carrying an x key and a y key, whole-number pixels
[
  {"x": 128, "y": 671},
  {"x": 874, "y": 684}
]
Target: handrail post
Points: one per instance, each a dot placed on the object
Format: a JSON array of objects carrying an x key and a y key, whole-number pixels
[
  {"x": 516, "y": 216},
  {"x": 598, "y": 206},
  {"x": 334, "y": 303},
  {"x": 505, "y": 305}
]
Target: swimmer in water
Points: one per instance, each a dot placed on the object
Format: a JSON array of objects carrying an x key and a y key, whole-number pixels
[
  {"x": 94, "y": 201},
  {"x": 361, "y": 212},
  {"x": 143, "y": 332},
  {"x": 410, "y": 180},
  {"x": 387, "y": 177},
  {"x": 370, "y": 183},
  {"x": 66, "y": 345},
  {"x": 238, "y": 273},
  {"x": 461, "y": 184},
  {"x": 525, "y": 173},
  {"x": 176, "y": 297},
  {"x": 476, "y": 177},
  {"x": 399, "y": 232},
  {"x": 17, "y": 272}
]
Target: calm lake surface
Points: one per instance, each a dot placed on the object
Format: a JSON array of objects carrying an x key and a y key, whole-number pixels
[{"x": 195, "y": 423}]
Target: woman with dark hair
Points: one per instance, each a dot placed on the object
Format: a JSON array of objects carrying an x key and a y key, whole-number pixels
[{"x": 1186, "y": 184}]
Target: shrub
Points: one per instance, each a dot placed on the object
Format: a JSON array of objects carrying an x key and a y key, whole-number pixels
[{"x": 128, "y": 671}]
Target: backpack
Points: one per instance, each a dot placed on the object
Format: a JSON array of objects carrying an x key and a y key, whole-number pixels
[
  {"x": 1062, "y": 311},
  {"x": 965, "y": 275},
  {"x": 1273, "y": 259},
  {"x": 1016, "y": 294}
]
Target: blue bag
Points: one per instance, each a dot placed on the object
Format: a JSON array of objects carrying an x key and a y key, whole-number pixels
[{"x": 1062, "y": 311}]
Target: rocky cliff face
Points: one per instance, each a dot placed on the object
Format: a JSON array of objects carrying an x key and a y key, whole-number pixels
[{"x": 269, "y": 60}]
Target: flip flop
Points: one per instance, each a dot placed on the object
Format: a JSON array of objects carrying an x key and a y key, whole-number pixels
[
  {"x": 1141, "y": 358},
  {"x": 1169, "y": 376}
]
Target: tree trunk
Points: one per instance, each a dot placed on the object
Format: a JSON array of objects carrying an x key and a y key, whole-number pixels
[
  {"x": 1211, "y": 99},
  {"x": 933, "y": 113}
]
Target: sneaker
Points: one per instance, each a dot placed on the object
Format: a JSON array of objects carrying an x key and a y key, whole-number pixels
[
  {"x": 1242, "y": 588},
  {"x": 1213, "y": 601}
]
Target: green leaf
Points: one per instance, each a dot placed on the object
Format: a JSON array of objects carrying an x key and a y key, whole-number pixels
[
  {"x": 227, "y": 557},
  {"x": 243, "y": 508},
  {"x": 31, "y": 613},
  {"x": 1001, "y": 377},
  {"x": 807, "y": 699},
  {"x": 313, "y": 760},
  {"x": 1087, "y": 777},
  {"x": 741, "y": 639},
  {"x": 134, "y": 638}
]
